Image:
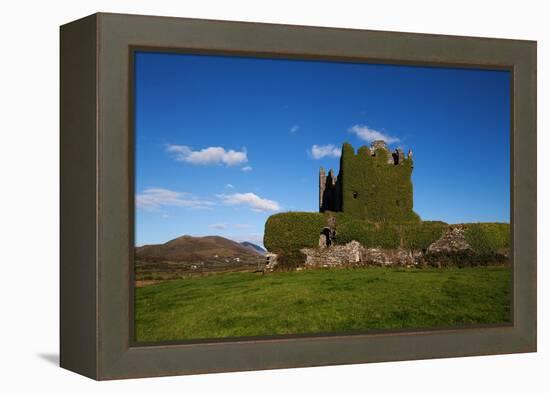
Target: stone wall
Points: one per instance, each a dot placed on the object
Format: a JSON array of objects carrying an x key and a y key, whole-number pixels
[
  {"x": 353, "y": 254},
  {"x": 452, "y": 241},
  {"x": 451, "y": 248}
]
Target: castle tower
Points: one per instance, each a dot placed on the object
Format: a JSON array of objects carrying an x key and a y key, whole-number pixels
[
  {"x": 329, "y": 191},
  {"x": 374, "y": 184},
  {"x": 375, "y": 145},
  {"x": 322, "y": 186}
]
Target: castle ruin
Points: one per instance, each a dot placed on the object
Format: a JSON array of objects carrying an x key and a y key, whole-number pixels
[
  {"x": 373, "y": 184},
  {"x": 374, "y": 223}
]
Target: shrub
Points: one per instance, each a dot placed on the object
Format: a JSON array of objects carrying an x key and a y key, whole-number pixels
[
  {"x": 464, "y": 259},
  {"x": 289, "y": 232},
  {"x": 289, "y": 260},
  {"x": 487, "y": 241},
  {"x": 418, "y": 236},
  {"x": 488, "y": 238},
  {"x": 410, "y": 235},
  {"x": 369, "y": 234}
]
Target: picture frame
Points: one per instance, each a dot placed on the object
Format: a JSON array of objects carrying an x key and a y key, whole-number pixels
[{"x": 97, "y": 194}]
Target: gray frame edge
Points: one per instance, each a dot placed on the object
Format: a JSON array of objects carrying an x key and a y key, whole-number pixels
[
  {"x": 78, "y": 192},
  {"x": 524, "y": 195},
  {"x": 116, "y": 357}
]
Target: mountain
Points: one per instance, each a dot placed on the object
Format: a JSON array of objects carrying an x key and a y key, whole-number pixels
[
  {"x": 195, "y": 249},
  {"x": 254, "y": 247}
]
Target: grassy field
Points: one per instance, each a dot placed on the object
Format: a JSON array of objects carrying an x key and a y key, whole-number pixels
[{"x": 321, "y": 301}]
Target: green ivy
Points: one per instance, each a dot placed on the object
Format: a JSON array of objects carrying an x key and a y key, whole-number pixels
[
  {"x": 418, "y": 236},
  {"x": 289, "y": 232},
  {"x": 374, "y": 190},
  {"x": 487, "y": 237},
  {"x": 409, "y": 235}
]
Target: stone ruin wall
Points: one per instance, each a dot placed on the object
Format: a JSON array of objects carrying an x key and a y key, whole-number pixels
[
  {"x": 452, "y": 243},
  {"x": 353, "y": 254}
]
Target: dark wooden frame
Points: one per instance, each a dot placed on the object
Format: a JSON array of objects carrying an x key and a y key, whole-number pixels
[{"x": 97, "y": 198}]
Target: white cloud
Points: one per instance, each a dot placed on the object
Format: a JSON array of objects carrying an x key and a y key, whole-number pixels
[
  {"x": 294, "y": 128},
  {"x": 251, "y": 200},
  {"x": 153, "y": 199},
  {"x": 246, "y": 168},
  {"x": 220, "y": 226},
  {"x": 214, "y": 155},
  {"x": 368, "y": 134},
  {"x": 229, "y": 185},
  {"x": 318, "y": 152}
]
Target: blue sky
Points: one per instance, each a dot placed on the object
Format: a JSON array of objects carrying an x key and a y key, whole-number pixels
[{"x": 224, "y": 142}]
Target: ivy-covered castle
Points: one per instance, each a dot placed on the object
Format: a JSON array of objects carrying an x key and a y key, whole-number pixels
[
  {"x": 366, "y": 218},
  {"x": 373, "y": 184}
]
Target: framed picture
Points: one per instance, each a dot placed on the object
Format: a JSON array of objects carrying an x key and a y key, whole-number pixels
[{"x": 242, "y": 196}]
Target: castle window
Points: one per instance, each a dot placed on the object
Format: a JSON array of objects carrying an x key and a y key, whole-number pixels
[
  {"x": 395, "y": 157},
  {"x": 355, "y": 194},
  {"x": 397, "y": 202}
]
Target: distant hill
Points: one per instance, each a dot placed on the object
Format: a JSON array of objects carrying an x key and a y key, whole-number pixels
[
  {"x": 195, "y": 249},
  {"x": 254, "y": 247}
]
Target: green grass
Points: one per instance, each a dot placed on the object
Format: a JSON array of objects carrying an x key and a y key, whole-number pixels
[{"x": 322, "y": 301}]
